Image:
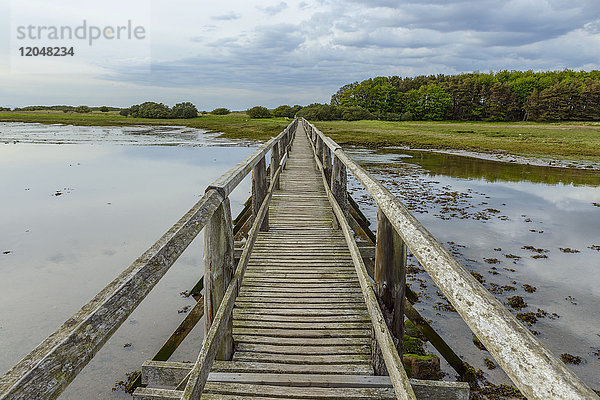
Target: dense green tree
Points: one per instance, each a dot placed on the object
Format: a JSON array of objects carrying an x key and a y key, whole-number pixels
[
  {"x": 283, "y": 111},
  {"x": 355, "y": 113},
  {"x": 184, "y": 110},
  {"x": 500, "y": 96},
  {"x": 220, "y": 111},
  {"x": 259, "y": 112},
  {"x": 286, "y": 111}
]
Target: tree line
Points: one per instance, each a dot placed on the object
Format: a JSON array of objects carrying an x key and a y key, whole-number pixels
[
  {"x": 63, "y": 108},
  {"x": 495, "y": 96},
  {"x": 154, "y": 110}
]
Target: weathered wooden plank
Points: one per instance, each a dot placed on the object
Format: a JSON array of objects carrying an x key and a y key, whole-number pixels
[
  {"x": 299, "y": 392},
  {"x": 307, "y": 333},
  {"x": 290, "y": 283},
  {"x": 267, "y": 290},
  {"x": 304, "y": 359},
  {"x": 300, "y": 319},
  {"x": 316, "y": 350},
  {"x": 306, "y": 275},
  {"x": 297, "y": 326},
  {"x": 304, "y": 305},
  {"x": 313, "y": 312},
  {"x": 302, "y": 300},
  {"x": 303, "y": 380},
  {"x": 269, "y": 339},
  {"x": 247, "y": 366},
  {"x": 245, "y": 292},
  {"x": 296, "y": 283}
]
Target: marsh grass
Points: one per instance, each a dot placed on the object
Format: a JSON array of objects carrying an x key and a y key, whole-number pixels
[{"x": 576, "y": 141}]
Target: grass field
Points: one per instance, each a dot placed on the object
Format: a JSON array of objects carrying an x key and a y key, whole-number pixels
[{"x": 573, "y": 141}]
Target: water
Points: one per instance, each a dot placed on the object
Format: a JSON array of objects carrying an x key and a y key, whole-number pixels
[
  {"x": 75, "y": 215},
  {"x": 485, "y": 213}
]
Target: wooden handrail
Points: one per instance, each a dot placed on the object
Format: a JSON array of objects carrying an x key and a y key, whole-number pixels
[
  {"x": 52, "y": 365},
  {"x": 538, "y": 373},
  {"x": 393, "y": 361}
]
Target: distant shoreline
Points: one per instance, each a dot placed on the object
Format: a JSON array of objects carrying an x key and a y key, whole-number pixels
[{"x": 567, "y": 145}]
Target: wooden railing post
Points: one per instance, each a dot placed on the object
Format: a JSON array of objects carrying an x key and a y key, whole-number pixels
[
  {"x": 390, "y": 277},
  {"x": 339, "y": 184},
  {"x": 259, "y": 191},
  {"x": 327, "y": 163},
  {"x": 320, "y": 148},
  {"x": 275, "y": 159},
  {"x": 218, "y": 270}
]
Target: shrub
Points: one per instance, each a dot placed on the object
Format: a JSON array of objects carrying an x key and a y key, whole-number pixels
[
  {"x": 258, "y": 112},
  {"x": 150, "y": 109},
  {"x": 104, "y": 109},
  {"x": 220, "y": 111},
  {"x": 124, "y": 112},
  {"x": 82, "y": 109},
  {"x": 184, "y": 110}
]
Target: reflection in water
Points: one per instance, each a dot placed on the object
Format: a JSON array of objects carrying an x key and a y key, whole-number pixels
[
  {"x": 11, "y": 132},
  {"x": 511, "y": 225},
  {"x": 73, "y": 217},
  {"x": 489, "y": 170}
]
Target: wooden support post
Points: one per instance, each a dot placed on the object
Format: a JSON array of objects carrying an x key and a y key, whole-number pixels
[
  {"x": 327, "y": 164},
  {"x": 390, "y": 277},
  {"x": 218, "y": 270},
  {"x": 320, "y": 148},
  {"x": 339, "y": 184},
  {"x": 275, "y": 159},
  {"x": 259, "y": 191}
]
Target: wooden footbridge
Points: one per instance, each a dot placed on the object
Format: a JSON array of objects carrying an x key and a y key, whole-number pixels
[{"x": 295, "y": 307}]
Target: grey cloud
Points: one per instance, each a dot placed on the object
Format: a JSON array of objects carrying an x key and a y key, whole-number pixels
[
  {"x": 339, "y": 44},
  {"x": 230, "y": 16},
  {"x": 274, "y": 9}
]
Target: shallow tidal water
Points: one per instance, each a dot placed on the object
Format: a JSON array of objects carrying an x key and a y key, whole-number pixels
[
  {"x": 513, "y": 225},
  {"x": 73, "y": 216},
  {"x": 79, "y": 204}
]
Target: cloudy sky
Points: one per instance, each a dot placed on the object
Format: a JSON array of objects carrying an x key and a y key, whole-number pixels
[{"x": 237, "y": 53}]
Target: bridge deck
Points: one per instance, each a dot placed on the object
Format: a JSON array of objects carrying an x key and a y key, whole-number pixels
[{"x": 300, "y": 313}]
